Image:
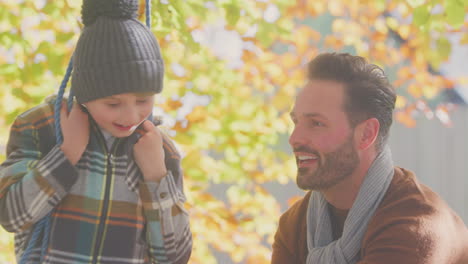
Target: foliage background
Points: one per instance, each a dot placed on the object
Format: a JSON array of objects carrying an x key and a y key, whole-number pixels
[{"x": 233, "y": 68}]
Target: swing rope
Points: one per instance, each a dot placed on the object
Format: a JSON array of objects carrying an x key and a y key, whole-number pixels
[{"x": 43, "y": 226}]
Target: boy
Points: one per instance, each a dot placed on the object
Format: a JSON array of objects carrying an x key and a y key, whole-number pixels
[{"x": 114, "y": 185}]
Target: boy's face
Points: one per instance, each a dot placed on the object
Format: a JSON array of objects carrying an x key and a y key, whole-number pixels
[{"x": 120, "y": 114}]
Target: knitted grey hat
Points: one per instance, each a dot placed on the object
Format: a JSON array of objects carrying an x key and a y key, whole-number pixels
[{"x": 115, "y": 53}]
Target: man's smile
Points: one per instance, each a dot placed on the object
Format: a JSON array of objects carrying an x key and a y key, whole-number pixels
[{"x": 306, "y": 159}]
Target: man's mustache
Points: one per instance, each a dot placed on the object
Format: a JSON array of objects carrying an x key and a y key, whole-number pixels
[{"x": 306, "y": 149}]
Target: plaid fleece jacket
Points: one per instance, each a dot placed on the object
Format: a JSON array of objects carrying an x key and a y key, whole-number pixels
[{"x": 103, "y": 211}]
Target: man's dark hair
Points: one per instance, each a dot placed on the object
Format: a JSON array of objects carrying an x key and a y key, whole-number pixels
[{"x": 368, "y": 92}]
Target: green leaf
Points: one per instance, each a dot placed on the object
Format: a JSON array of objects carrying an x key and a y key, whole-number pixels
[
  {"x": 64, "y": 37},
  {"x": 51, "y": 9},
  {"x": 265, "y": 34},
  {"x": 421, "y": 15},
  {"x": 455, "y": 12},
  {"x": 415, "y": 3},
  {"x": 437, "y": 23},
  {"x": 37, "y": 69},
  {"x": 444, "y": 48},
  {"x": 380, "y": 4},
  {"x": 10, "y": 117},
  {"x": 4, "y": 14},
  {"x": 232, "y": 14},
  {"x": 175, "y": 17},
  {"x": 6, "y": 69}
]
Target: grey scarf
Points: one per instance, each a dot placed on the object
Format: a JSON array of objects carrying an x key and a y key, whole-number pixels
[{"x": 345, "y": 250}]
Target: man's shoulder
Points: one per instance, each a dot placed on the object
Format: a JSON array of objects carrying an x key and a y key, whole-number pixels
[
  {"x": 406, "y": 196},
  {"x": 414, "y": 217},
  {"x": 291, "y": 236},
  {"x": 292, "y": 223}
]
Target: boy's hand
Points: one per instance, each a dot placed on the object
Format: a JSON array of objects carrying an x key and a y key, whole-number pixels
[
  {"x": 75, "y": 131},
  {"x": 149, "y": 153}
]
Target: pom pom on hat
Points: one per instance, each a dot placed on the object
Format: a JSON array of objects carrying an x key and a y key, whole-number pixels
[{"x": 93, "y": 9}]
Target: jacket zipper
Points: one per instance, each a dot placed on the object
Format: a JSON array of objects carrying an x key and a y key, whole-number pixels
[{"x": 105, "y": 206}]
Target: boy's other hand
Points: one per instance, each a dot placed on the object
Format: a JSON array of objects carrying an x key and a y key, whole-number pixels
[
  {"x": 75, "y": 131},
  {"x": 149, "y": 153}
]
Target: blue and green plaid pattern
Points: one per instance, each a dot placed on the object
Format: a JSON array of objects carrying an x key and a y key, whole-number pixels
[{"x": 103, "y": 211}]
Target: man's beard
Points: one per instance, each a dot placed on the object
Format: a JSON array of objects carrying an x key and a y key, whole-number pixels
[{"x": 338, "y": 165}]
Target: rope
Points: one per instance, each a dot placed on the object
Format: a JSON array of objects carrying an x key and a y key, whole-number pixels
[
  {"x": 43, "y": 226},
  {"x": 58, "y": 102},
  {"x": 148, "y": 13}
]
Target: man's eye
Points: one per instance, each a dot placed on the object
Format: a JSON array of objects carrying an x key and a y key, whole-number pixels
[
  {"x": 142, "y": 101},
  {"x": 113, "y": 105},
  {"x": 317, "y": 124}
]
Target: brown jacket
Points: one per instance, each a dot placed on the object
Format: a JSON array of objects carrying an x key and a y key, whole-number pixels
[{"x": 412, "y": 225}]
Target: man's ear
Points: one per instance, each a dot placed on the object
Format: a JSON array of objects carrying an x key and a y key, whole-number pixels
[{"x": 366, "y": 133}]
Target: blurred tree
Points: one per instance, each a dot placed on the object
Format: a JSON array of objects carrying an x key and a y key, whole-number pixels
[{"x": 233, "y": 68}]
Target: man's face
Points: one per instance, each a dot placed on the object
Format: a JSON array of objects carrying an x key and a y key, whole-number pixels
[
  {"x": 322, "y": 140},
  {"x": 121, "y": 114}
]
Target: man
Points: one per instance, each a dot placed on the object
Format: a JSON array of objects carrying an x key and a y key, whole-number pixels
[{"x": 361, "y": 209}]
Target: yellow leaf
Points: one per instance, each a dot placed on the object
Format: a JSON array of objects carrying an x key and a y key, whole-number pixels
[
  {"x": 415, "y": 90},
  {"x": 464, "y": 39},
  {"x": 430, "y": 91},
  {"x": 449, "y": 84},
  {"x": 339, "y": 25},
  {"x": 171, "y": 105},
  {"x": 212, "y": 124},
  {"x": 421, "y": 77},
  {"x": 336, "y": 8},
  {"x": 404, "y": 31},
  {"x": 404, "y": 9},
  {"x": 289, "y": 60},
  {"x": 258, "y": 259},
  {"x": 301, "y": 39},
  {"x": 400, "y": 102},
  {"x": 179, "y": 127},
  {"x": 405, "y": 73},
  {"x": 280, "y": 101},
  {"x": 392, "y": 23},
  {"x": 316, "y": 7},
  {"x": 276, "y": 73},
  {"x": 198, "y": 114},
  {"x": 463, "y": 80},
  {"x": 405, "y": 51},
  {"x": 404, "y": 118},
  {"x": 177, "y": 50},
  {"x": 333, "y": 42},
  {"x": 380, "y": 26}
]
